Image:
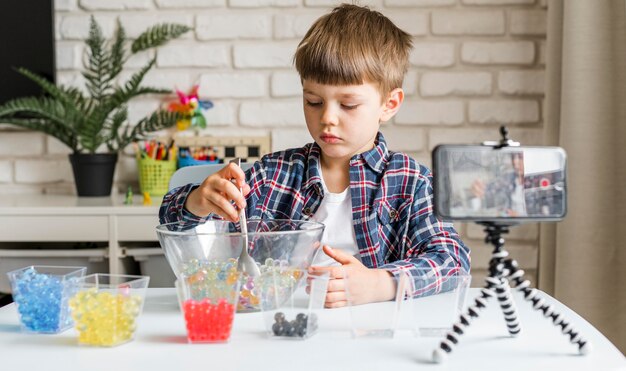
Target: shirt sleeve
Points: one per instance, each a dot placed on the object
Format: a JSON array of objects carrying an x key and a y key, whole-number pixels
[{"x": 435, "y": 251}]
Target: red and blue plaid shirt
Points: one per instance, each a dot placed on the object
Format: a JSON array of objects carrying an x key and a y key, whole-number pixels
[{"x": 392, "y": 208}]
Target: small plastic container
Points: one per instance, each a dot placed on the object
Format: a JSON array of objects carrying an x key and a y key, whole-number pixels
[
  {"x": 154, "y": 175},
  {"x": 377, "y": 320},
  {"x": 438, "y": 300},
  {"x": 41, "y": 294},
  {"x": 190, "y": 161},
  {"x": 291, "y": 300},
  {"x": 107, "y": 307},
  {"x": 209, "y": 306}
]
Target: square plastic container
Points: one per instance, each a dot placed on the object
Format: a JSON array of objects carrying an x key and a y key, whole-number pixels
[
  {"x": 209, "y": 307},
  {"x": 41, "y": 294},
  {"x": 107, "y": 307},
  {"x": 438, "y": 300},
  {"x": 377, "y": 320},
  {"x": 291, "y": 300}
]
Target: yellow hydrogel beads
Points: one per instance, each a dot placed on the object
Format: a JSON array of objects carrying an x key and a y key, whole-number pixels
[{"x": 104, "y": 318}]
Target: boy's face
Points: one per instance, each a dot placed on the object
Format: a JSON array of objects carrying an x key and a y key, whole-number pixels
[{"x": 344, "y": 120}]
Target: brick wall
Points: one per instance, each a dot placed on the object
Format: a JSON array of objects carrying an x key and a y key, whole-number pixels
[{"x": 476, "y": 64}]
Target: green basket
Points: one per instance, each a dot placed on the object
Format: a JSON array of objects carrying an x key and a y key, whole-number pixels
[{"x": 154, "y": 175}]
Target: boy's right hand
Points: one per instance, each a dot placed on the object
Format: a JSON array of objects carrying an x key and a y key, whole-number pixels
[{"x": 217, "y": 191}]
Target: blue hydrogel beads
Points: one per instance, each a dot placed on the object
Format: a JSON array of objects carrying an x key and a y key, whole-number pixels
[{"x": 41, "y": 301}]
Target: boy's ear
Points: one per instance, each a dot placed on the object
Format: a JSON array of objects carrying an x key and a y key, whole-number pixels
[{"x": 392, "y": 104}]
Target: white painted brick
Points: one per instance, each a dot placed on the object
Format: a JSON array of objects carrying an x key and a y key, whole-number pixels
[
  {"x": 275, "y": 113},
  {"x": 178, "y": 4},
  {"x": 264, "y": 55},
  {"x": 66, "y": 188},
  {"x": 409, "y": 85},
  {"x": 503, "y": 112},
  {"x": 42, "y": 171},
  {"x": 139, "y": 60},
  {"x": 233, "y": 85},
  {"x": 72, "y": 79},
  {"x": 193, "y": 55},
  {"x": 455, "y": 83},
  {"x": 505, "y": 52},
  {"x": 223, "y": 113},
  {"x": 523, "y": 232},
  {"x": 432, "y": 54},
  {"x": 468, "y": 22},
  {"x": 373, "y": 4},
  {"x": 286, "y": 84},
  {"x": 136, "y": 24},
  {"x": 234, "y": 131},
  {"x": 416, "y": 112},
  {"x": 26, "y": 143},
  {"x": 525, "y": 136},
  {"x": 140, "y": 108},
  {"x": 76, "y": 27},
  {"x": 419, "y": 3},
  {"x": 528, "y": 22},
  {"x": 6, "y": 171},
  {"x": 403, "y": 138},
  {"x": 522, "y": 82},
  {"x": 262, "y": 3},
  {"x": 542, "y": 52},
  {"x": 65, "y": 5},
  {"x": 497, "y": 2},
  {"x": 233, "y": 26},
  {"x": 126, "y": 170},
  {"x": 68, "y": 55},
  {"x": 161, "y": 79},
  {"x": 116, "y": 4},
  {"x": 57, "y": 27},
  {"x": 56, "y": 147},
  {"x": 289, "y": 26},
  {"x": 20, "y": 189},
  {"x": 421, "y": 158},
  {"x": 413, "y": 23},
  {"x": 290, "y": 138}
]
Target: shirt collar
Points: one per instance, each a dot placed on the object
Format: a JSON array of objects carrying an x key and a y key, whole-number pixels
[{"x": 377, "y": 157}]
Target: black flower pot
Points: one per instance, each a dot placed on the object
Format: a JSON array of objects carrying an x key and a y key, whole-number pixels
[{"x": 93, "y": 173}]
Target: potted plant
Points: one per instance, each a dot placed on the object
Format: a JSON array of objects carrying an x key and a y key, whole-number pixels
[{"x": 95, "y": 125}]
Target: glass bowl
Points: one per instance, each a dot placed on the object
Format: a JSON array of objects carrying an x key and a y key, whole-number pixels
[{"x": 208, "y": 252}]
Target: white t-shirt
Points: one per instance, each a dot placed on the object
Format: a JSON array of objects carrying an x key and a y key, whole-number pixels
[{"x": 335, "y": 212}]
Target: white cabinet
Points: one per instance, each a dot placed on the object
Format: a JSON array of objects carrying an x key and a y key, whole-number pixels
[{"x": 51, "y": 219}]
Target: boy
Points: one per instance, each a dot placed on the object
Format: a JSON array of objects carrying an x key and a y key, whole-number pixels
[{"x": 376, "y": 204}]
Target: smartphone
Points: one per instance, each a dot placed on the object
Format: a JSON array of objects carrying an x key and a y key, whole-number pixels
[{"x": 508, "y": 184}]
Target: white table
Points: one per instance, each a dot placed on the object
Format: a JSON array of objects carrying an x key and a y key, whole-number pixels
[{"x": 161, "y": 345}]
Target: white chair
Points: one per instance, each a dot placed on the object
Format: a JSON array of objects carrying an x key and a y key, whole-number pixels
[{"x": 197, "y": 174}]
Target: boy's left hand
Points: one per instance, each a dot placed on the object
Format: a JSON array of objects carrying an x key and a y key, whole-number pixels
[{"x": 366, "y": 285}]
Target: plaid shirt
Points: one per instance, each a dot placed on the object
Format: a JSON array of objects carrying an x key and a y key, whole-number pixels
[{"x": 392, "y": 210}]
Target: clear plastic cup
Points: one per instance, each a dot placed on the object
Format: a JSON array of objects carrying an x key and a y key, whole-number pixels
[
  {"x": 41, "y": 294},
  {"x": 291, "y": 301},
  {"x": 107, "y": 307},
  {"x": 377, "y": 320},
  {"x": 438, "y": 300},
  {"x": 208, "y": 307}
]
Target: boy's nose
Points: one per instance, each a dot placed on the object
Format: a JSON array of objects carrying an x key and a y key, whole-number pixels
[{"x": 329, "y": 116}]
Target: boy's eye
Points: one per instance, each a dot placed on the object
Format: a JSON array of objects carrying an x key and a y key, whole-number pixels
[
  {"x": 309, "y": 103},
  {"x": 349, "y": 106}
]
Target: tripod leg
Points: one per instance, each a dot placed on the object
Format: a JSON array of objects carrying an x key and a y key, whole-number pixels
[
  {"x": 452, "y": 337},
  {"x": 503, "y": 293},
  {"x": 532, "y": 295}
]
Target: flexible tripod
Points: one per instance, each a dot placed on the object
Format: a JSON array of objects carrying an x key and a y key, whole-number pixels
[{"x": 501, "y": 271}]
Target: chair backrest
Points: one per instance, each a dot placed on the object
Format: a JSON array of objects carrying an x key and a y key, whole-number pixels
[{"x": 197, "y": 174}]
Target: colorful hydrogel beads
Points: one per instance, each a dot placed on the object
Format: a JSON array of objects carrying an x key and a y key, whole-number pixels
[
  {"x": 105, "y": 318},
  {"x": 208, "y": 322},
  {"x": 41, "y": 295}
]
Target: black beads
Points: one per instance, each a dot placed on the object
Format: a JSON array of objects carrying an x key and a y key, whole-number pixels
[{"x": 301, "y": 326}]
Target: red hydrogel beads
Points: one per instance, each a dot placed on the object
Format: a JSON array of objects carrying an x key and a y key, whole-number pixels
[{"x": 207, "y": 322}]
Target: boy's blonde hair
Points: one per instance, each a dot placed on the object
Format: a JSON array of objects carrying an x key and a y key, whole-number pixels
[{"x": 352, "y": 45}]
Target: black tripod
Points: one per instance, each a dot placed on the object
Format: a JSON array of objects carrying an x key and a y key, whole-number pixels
[{"x": 501, "y": 271}]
